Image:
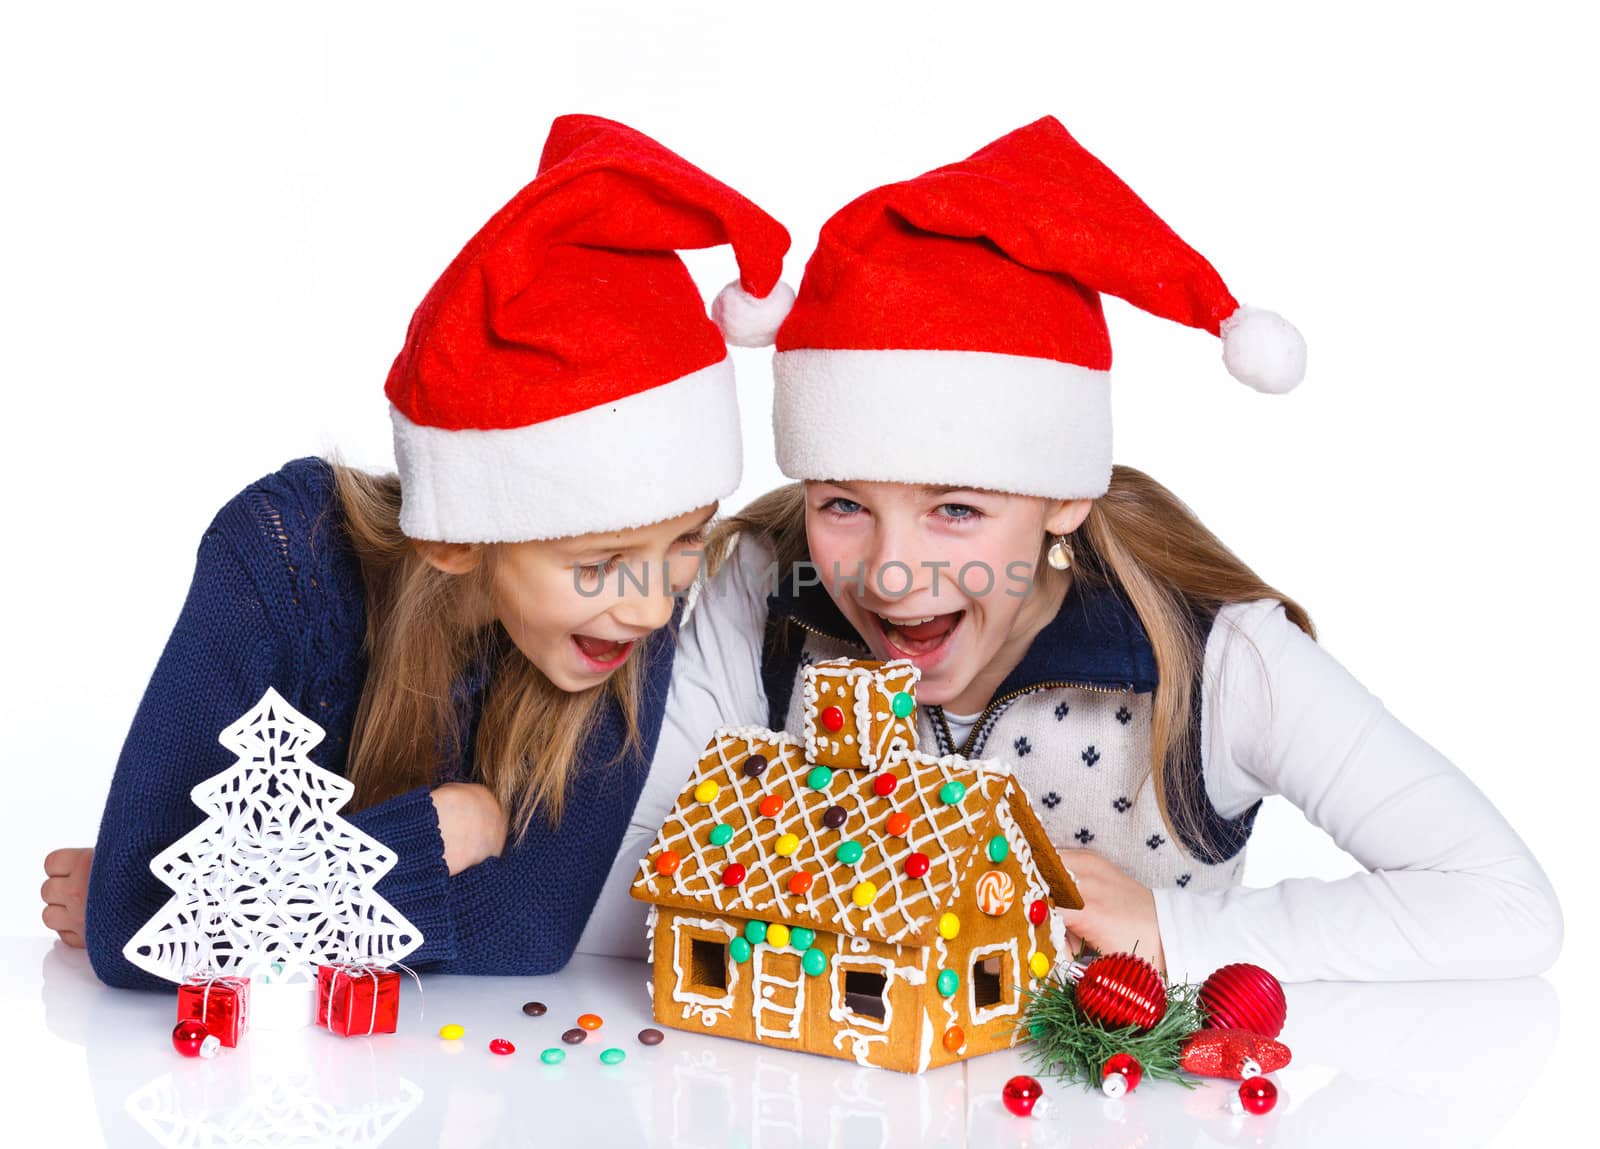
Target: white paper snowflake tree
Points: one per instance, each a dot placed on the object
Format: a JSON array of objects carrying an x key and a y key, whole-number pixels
[{"x": 273, "y": 874}]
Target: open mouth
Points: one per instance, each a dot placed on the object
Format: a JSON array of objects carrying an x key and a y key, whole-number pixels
[
  {"x": 601, "y": 653},
  {"x": 923, "y": 638}
]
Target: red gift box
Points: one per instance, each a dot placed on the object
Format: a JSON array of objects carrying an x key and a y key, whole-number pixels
[
  {"x": 221, "y": 1004},
  {"x": 357, "y": 1000}
]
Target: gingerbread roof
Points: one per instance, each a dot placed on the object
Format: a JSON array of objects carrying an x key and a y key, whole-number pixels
[{"x": 755, "y": 802}]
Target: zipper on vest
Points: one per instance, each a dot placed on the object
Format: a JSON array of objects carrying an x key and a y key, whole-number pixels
[{"x": 996, "y": 703}]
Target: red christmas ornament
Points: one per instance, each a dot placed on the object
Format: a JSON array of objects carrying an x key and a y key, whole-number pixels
[
  {"x": 1233, "y": 1053},
  {"x": 1120, "y": 1074},
  {"x": 1021, "y": 1095},
  {"x": 1258, "y": 1095},
  {"x": 1122, "y": 989},
  {"x": 190, "y": 1038},
  {"x": 1244, "y": 996}
]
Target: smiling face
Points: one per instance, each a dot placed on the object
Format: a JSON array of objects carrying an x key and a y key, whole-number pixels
[
  {"x": 941, "y": 576},
  {"x": 578, "y": 606}
]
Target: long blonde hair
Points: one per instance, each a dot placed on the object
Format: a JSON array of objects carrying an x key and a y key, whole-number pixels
[
  {"x": 1138, "y": 537},
  {"x": 424, "y": 632}
]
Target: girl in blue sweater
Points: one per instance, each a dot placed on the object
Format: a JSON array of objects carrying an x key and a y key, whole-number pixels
[{"x": 492, "y": 695}]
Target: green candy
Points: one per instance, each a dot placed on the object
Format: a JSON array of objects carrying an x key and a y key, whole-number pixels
[
  {"x": 553, "y": 1056},
  {"x": 952, "y": 792},
  {"x": 801, "y": 938},
  {"x": 815, "y": 963},
  {"x": 755, "y": 932},
  {"x": 902, "y": 704},
  {"x": 949, "y": 981},
  {"x": 721, "y": 834},
  {"x": 739, "y": 950},
  {"x": 849, "y": 853},
  {"x": 611, "y": 1056},
  {"x": 998, "y": 848},
  {"x": 819, "y": 777}
]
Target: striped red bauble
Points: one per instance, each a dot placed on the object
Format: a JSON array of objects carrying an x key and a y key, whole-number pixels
[
  {"x": 1122, "y": 989},
  {"x": 1243, "y": 996}
]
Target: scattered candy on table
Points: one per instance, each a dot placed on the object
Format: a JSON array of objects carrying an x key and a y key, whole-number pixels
[
  {"x": 553, "y": 1056},
  {"x": 451, "y": 1032},
  {"x": 611, "y": 1056},
  {"x": 501, "y": 1046},
  {"x": 590, "y": 1021},
  {"x": 574, "y": 1036},
  {"x": 1022, "y": 1095},
  {"x": 534, "y": 1008},
  {"x": 190, "y": 1038},
  {"x": 650, "y": 1037}
]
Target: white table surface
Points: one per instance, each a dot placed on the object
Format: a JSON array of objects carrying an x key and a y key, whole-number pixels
[{"x": 1412, "y": 1064}]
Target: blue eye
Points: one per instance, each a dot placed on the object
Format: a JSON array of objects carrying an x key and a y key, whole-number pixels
[
  {"x": 841, "y": 506},
  {"x": 959, "y": 511}
]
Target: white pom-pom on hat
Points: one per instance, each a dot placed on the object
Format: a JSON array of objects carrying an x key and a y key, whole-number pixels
[
  {"x": 1263, "y": 350},
  {"x": 746, "y": 321}
]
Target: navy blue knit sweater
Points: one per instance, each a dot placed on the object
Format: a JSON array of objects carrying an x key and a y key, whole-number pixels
[{"x": 277, "y": 601}]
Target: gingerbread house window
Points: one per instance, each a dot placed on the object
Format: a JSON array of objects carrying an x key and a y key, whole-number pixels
[
  {"x": 708, "y": 965},
  {"x": 994, "y": 980},
  {"x": 864, "y": 991}
]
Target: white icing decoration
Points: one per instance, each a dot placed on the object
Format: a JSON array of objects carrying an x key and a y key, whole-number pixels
[
  {"x": 787, "y": 1027},
  {"x": 707, "y": 1007},
  {"x": 926, "y": 1054}
]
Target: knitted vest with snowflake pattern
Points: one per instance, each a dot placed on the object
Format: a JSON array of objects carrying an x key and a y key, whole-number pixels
[{"x": 1072, "y": 720}]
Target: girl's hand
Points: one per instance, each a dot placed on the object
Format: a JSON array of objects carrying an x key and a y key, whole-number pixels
[
  {"x": 1118, "y": 912},
  {"x": 65, "y": 890},
  {"x": 471, "y": 823}
]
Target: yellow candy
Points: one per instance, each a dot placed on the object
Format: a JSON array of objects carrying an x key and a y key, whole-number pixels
[
  {"x": 949, "y": 926},
  {"x": 1039, "y": 964},
  {"x": 863, "y": 894},
  {"x": 787, "y": 844},
  {"x": 451, "y": 1032},
  {"x": 778, "y": 935},
  {"x": 707, "y": 791}
]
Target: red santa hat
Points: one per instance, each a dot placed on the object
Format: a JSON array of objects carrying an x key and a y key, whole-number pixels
[
  {"x": 562, "y": 376},
  {"x": 949, "y": 328}
]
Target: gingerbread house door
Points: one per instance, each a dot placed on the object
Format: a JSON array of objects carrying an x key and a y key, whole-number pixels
[{"x": 779, "y": 987}]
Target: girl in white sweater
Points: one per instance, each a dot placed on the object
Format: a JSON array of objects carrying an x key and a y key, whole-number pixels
[{"x": 943, "y": 396}]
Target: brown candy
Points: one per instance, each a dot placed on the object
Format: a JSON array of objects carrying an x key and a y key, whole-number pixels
[
  {"x": 650, "y": 1037},
  {"x": 574, "y": 1036},
  {"x": 755, "y": 765},
  {"x": 534, "y": 1008},
  {"x": 833, "y": 817}
]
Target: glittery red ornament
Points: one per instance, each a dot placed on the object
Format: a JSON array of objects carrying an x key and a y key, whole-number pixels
[
  {"x": 1021, "y": 1094},
  {"x": 1258, "y": 1095},
  {"x": 1122, "y": 989},
  {"x": 1120, "y": 1074},
  {"x": 1243, "y": 996},
  {"x": 1232, "y": 1053}
]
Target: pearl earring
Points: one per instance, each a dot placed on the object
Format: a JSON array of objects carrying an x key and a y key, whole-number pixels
[{"x": 1060, "y": 555}]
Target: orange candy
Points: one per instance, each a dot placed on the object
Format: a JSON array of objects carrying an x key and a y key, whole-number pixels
[
  {"x": 667, "y": 863},
  {"x": 954, "y": 1039},
  {"x": 770, "y": 805},
  {"x": 899, "y": 823},
  {"x": 590, "y": 1021},
  {"x": 799, "y": 882}
]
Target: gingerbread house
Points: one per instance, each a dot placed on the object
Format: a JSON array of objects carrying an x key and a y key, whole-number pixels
[{"x": 844, "y": 894}]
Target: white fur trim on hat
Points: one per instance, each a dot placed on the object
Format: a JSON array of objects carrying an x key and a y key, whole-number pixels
[
  {"x": 1263, "y": 350},
  {"x": 961, "y": 418},
  {"x": 651, "y": 456},
  {"x": 746, "y": 321}
]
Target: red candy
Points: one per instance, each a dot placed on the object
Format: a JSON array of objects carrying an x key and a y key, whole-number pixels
[
  {"x": 733, "y": 875},
  {"x": 899, "y": 823},
  {"x": 667, "y": 863},
  {"x": 833, "y": 718},
  {"x": 883, "y": 785},
  {"x": 917, "y": 865},
  {"x": 501, "y": 1046},
  {"x": 799, "y": 882},
  {"x": 770, "y": 805},
  {"x": 1038, "y": 911}
]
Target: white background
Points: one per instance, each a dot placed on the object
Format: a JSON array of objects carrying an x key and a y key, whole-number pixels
[{"x": 217, "y": 220}]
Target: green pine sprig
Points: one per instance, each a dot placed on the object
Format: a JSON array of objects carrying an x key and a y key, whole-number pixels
[{"x": 1065, "y": 1043}]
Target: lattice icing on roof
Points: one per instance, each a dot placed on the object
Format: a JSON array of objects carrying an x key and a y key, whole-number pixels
[
  {"x": 904, "y": 909},
  {"x": 860, "y": 697}
]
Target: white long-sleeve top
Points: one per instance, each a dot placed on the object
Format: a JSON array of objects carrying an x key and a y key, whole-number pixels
[{"x": 1450, "y": 890}]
